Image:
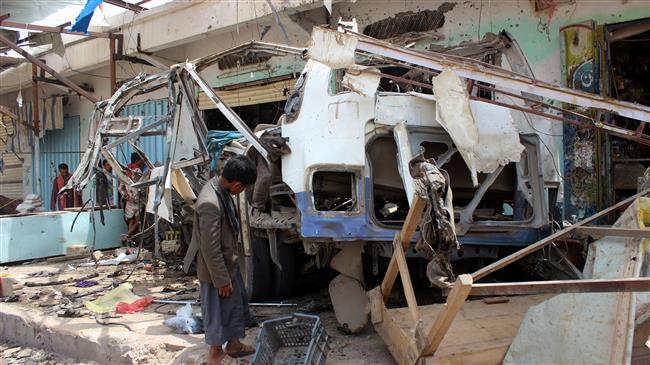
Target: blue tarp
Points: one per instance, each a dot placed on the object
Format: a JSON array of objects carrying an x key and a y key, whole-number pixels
[
  {"x": 216, "y": 141},
  {"x": 83, "y": 20}
]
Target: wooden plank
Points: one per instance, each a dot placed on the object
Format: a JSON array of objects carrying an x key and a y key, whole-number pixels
[
  {"x": 602, "y": 231},
  {"x": 446, "y": 316},
  {"x": 410, "y": 224},
  {"x": 487, "y": 270},
  {"x": 399, "y": 344},
  {"x": 4, "y": 40},
  {"x": 406, "y": 279},
  {"x": 563, "y": 286}
]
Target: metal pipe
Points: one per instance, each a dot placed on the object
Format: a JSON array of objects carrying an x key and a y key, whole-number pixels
[{"x": 4, "y": 40}]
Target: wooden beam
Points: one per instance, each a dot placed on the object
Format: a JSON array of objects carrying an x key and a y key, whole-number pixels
[
  {"x": 35, "y": 102},
  {"x": 487, "y": 270},
  {"x": 601, "y": 231},
  {"x": 455, "y": 301},
  {"x": 563, "y": 286},
  {"x": 57, "y": 82},
  {"x": 112, "y": 66},
  {"x": 411, "y": 301},
  {"x": 124, "y": 5},
  {"x": 410, "y": 224},
  {"x": 4, "y": 17},
  {"x": 402, "y": 346},
  {"x": 43, "y": 28},
  {"x": 6, "y": 111},
  {"x": 4, "y": 40}
]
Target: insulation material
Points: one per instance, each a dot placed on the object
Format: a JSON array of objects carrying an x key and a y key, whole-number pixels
[
  {"x": 454, "y": 114},
  {"x": 591, "y": 328},
  {"x": 334, "y": 49},
  {"x": 484, "y": 134},
  {"x": 362, "y": 80},
  {"x": 165, "y": 207}
]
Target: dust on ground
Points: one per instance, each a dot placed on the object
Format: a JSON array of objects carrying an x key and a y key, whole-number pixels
[{"x": 164, "y": 280}]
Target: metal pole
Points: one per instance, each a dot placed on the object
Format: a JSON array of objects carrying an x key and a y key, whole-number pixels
[
  {"x": 111, "y": 56},
  {"x": 36, "y": 130}
]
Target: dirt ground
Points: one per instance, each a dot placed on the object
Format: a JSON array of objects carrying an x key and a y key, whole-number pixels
[{"x": 166, "y": 281}]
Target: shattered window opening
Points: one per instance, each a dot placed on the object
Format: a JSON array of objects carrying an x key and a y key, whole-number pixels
[
  {"x": 334, "y": 191},
  {"x": 503, "y": 200},
  {"x": 390, "y": 203},
  {"x": 336, "y": 82}
]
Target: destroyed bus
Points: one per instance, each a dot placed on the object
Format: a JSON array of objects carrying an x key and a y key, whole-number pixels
[
  {"x": 342, "y": 186},
  {"x": 335, "y": 173}
]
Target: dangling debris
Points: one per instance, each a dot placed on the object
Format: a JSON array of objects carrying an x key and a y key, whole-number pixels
[{"x": 437, "y": 227}]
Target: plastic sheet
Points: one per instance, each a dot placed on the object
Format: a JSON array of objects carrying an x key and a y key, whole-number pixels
[
  {"x": 185, "y": 321},
  {"x": 107, "y": 302},
  {"x": 137, "y": 306}
]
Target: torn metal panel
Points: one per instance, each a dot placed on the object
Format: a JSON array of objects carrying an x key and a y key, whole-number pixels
[
  {"x": 334, "y": 49},
  {"x": 474, "y": 70},
  {"x": 454, "y": 114},
  {"x": 165, "y": 205},
  {"x": 362, "y": 80},
  {"x": 603, "y": 333}
]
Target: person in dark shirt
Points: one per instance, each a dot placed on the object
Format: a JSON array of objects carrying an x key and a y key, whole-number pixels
[{"x": 104, "y": 187}]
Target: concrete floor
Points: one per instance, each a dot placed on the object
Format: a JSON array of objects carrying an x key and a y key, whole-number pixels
[{"x": 37, "y": 320}]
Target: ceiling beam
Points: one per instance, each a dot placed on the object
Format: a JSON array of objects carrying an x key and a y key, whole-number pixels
[
  {"x": 142, "y": 2},
  {"x": 42, "y": 28},
  {"x": 136, "y": 8},
  {"x": 4, "y": 40},
  {"x": 57, "y": 82}
]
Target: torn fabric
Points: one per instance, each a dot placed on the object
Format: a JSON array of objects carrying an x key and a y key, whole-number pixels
[
  {"x": 334, "y": 49},
  {"x": 362, "y": 80}
]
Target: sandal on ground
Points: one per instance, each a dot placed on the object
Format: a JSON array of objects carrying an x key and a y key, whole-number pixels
[{"x": 239, "y": 350}]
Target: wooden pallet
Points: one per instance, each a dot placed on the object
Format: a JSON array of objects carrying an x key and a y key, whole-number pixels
[{"x": 482, "y": 332}]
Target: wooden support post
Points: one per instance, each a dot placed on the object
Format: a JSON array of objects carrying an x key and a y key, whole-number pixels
[
  {"x": 563, "y": 286},
  {"x": 410, "y": 224},
  {"x": 398, "y": 253},
  {"x": 35, "y": 103},
  {"x": 111, "y": 65},
  {"x": 600, "y": 231},
  {"x": 402, "y": 346},
  {"x": 546, "y": 241},
  {"x": 446, "y": 316},
  {"x": 4, "y": 40}
]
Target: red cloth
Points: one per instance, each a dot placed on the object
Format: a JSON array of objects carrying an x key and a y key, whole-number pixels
[{"x": 137, "y": 306}]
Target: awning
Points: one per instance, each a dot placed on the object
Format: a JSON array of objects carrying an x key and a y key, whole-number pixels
[{"x": 258, "y": 94}]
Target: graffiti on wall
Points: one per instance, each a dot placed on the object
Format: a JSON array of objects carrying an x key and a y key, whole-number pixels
[{"x": 580, "y": 71}]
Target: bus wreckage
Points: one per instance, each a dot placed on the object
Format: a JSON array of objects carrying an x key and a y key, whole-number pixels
[{"x": 370, "y": 128}]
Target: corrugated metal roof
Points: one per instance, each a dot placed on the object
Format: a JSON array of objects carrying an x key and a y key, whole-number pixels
[{"x": 276, "y": 91}]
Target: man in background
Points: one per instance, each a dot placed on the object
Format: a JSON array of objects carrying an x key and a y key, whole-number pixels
[
  {"x": 67, "y": 199},
  {"x": 104, "y": 185}
]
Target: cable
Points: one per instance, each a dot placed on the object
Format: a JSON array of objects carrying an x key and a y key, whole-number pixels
[{"x": 555, "y": 166}]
